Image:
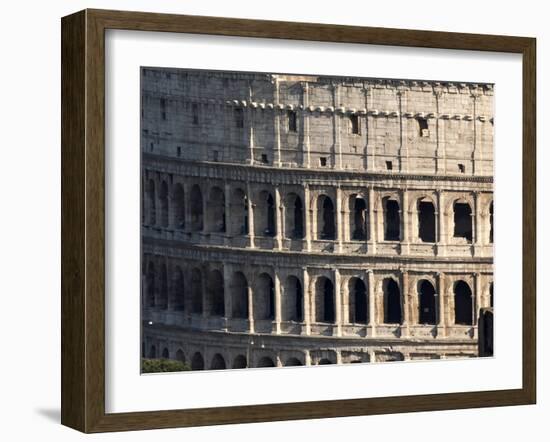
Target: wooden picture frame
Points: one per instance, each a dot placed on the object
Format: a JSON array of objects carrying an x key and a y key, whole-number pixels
[{"x": 83, "y": 220}]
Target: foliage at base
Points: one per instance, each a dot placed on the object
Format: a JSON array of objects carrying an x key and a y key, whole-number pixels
[{"x": 162, "y": 366}]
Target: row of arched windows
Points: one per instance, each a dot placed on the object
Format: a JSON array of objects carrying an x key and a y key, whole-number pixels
[
  {"x": 210, "y": 215},
  {"x": 218, "y": 362},
  {"x": 205, "y": 293}
]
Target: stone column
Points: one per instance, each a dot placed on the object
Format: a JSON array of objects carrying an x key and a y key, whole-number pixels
[
  {"x": 372, "y": 221},
  {"x": 306, "y": 148},
  {"x": 186, "y": 204},
  {"x": 476, "y": 301},
  {"x": 441, "y": 306},
  {"x": 405, "y": 304},
  {"x": 277, "y": 124},
  {"x": 249, "y": 125},
  {"x": 405, "y": 245},
  {"x": 228, "y": 305},
  {"x": 204, "y": 289},
  {"x": 306, "y": 301},
  {"x": 205, "y": 197},
  {"x": 307, "y": 217},
  {"x": 441, "y": 218},
  {"x": 250, "y": 216},
  {"x": 339, "y": 227},
  {"x": 477, "y": 239},
  {"x": 227, "y": 214},
  {"x": 338, "y": 357},
  {"x": 278, "y": 219},
  {"x": 250, "y": 302},
  {"x": 372, "y": 302},
  {"x": 277, "y": 289},
  {"x": 336, "y": 128},
  {"x": 307, "y": 357},
  {"x": 337, "y": 303}
]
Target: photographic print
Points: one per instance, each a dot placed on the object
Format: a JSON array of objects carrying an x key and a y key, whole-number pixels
[{"x": 300, "y": 220}]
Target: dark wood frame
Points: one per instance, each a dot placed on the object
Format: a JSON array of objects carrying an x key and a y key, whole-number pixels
[{"x": 83, "y": 215}]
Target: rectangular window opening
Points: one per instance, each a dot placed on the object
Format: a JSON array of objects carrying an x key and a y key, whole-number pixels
[
  {"x": 423, "y": 127},
  {"x": 195, "y": 110},
  {"x": 389, "y": 165},
  {"x": 462, "y": 168},
  {"x": 323, "y": 161},
  {"x": 179, "y": 151},
  {"x": 264, "y": 159},
  {"x": 239, "y": 117},
  {"x": 354, "y": 121},
  {"x": 292, "y": 123}
]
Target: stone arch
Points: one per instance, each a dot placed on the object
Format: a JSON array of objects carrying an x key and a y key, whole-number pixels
[
  {"x": 178, "y": 290},
  {"x": 265, "y": 361},
  {"x": 392, "y": 302},
  {"x": 462, "y": 220},
  {"x": 324, "y": 300},
  {"x": 358, "y": 210},
  {"x": 324, "y": 361},
  {"x": 426, "y": 302},
  {"x": 293, "y": 300},
  {"x": 165, "y": 353},
  {"x": 180, "y": 355},
  {"x": 392, "y": 219},
  {"x": 237, "y": 222},
  {"x": 264, "y": 297},
  {"x": 239, "y": 295},
  {"x": 196, "y": 290},
  {"x": 197, "y": 361},
  {"x": 265, "y": 214},
  {"x": 164, "y": 204},
  {"x": 358, "y": 302},
  {"x": 425, "y": 209},
  {"x": 240, "y": 362},
  {"x": 293, "y": 362},
  {"x": 294, "y": 217},
  {"x": 179, "y": 206},
  {"x": 163, "y": 287},
  {"x": 151, "y": 202},
  {"x": 215, "y": 292},
  {"x": 215, "y": 210},
  {"x": 463, "y": 300},
  {"x": 150, "y": 284},
  {"x": 196, "y": 208},
  {"x": 218, "y": 362},
  {"x": 326, "y": 225}
]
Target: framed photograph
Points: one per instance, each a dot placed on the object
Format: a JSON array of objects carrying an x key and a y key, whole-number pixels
[{"x": 270, "y": 220}]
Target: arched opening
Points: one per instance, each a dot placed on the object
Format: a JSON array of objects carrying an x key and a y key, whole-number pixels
[
  {"x": 196, "y": 291},
  {"x": 216, "y": 293},
  {"x": 180, "y": 356},
  {"x": 463, "y": 304},
  {"x": 266, "y": 362},
  {"x": 293, "y": 362},
  {"x": 218, "y": 362},
  {"x": 358, "y": 218},
  {"x": 150, "y": 285},
  {"x": 325, "y": 361},
  {"x": 240, "y": 362},
  {"x": 294, "y": 217},
  {"x": 197, "y": 362},
  {"x": 292, "y": 301},
  {"x": 163, "y": 289},
  {"x": 491, "y": 298},
  {"x": 178, "y": 295},
  {"x": 151, "y": 199},
  {"x": 426, "y": 221},
  {"x": 358, "y": 305},
  {"x": 196, "y": 207},
  {"x": 392, "y": 220},
  {"x": 215, "y": 212},
  {"x": 163, "y": 198},
  {"x": 264, "y": 215},
  {"x": 325, "y": 218},
  {"x": 324, "y": 291},
  {"x": 392, "y": 302},
  {"x": 165, "y": 353},
  {"x": 238, "y": 219},
  {"x": 462, "y": 221},
  {"x": 426, "y": 302},
  {"x": 491, "y": 223},
  {"x": 152, "y": 352},
  {"x": 239, "y": 296},
  {"x": 179, "y": 207},
  {"x": 264, "y": 298}
]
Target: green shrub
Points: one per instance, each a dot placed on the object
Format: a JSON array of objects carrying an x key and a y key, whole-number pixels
[{"x": 162, "y": 366}]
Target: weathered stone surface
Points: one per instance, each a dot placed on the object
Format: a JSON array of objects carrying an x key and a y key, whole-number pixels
[{"x": 298, "y": 220}]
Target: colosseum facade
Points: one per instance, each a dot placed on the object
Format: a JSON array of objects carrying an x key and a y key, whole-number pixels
[{"x": 305, "y": 220}]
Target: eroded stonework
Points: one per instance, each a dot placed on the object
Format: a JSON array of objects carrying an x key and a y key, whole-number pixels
[{"x": 303, "y": 220}]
